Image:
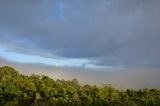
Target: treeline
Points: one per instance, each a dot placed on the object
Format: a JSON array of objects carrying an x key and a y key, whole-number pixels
[{"x": 20, "y": 90}]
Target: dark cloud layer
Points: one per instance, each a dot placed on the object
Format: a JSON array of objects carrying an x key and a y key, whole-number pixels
[{"x": 109, "y": 32}]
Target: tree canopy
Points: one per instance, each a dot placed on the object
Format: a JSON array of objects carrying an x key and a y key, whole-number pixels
[{"x": 40, "y": 90}]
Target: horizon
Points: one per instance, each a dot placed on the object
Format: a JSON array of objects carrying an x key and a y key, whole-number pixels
[{"x": 94, "y": 41}]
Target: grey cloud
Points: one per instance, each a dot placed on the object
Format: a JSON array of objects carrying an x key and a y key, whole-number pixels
[
  {"x": 123, "y": 79},
  {"x": 110, "y": 32}
]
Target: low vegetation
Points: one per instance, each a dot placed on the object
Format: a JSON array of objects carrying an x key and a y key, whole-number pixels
[{"x": 21, "y": 90}]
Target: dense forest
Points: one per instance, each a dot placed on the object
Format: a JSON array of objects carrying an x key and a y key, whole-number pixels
[{"x": 39, "y": 90}]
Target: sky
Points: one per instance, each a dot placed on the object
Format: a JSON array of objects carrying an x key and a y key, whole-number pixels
[{"x": 88, "y": 36}]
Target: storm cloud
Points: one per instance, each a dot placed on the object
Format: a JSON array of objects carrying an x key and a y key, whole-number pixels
[{"x": 123, "y": 33}]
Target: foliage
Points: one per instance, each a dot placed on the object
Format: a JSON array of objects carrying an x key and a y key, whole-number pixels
[{"x": 20, "y": 90}]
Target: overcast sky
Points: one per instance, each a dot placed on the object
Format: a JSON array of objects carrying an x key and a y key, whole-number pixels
[{"x": 101, "y": 35}]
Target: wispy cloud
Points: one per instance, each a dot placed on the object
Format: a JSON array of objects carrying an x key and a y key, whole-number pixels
[{"x": 122, "y": 79}]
